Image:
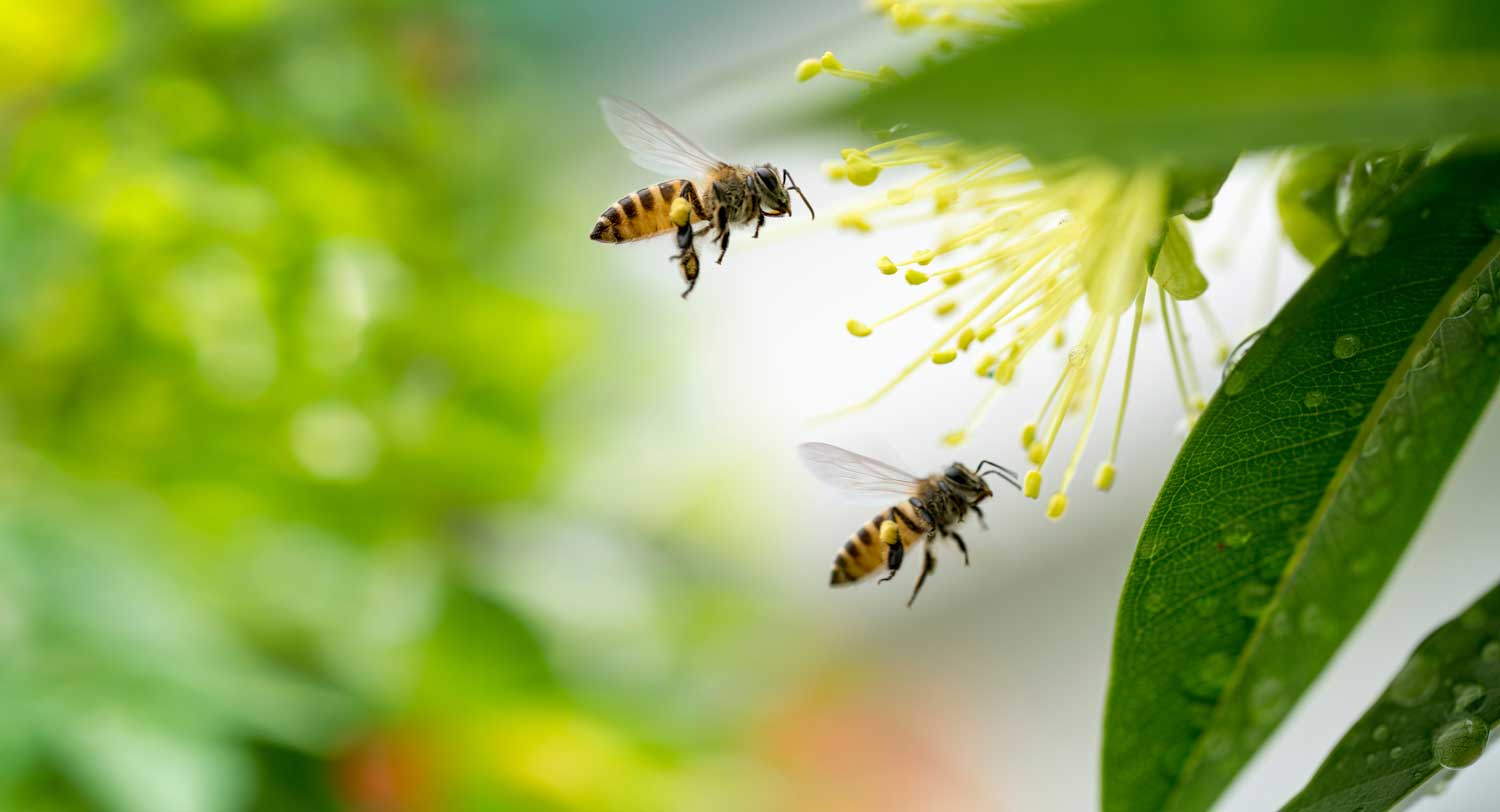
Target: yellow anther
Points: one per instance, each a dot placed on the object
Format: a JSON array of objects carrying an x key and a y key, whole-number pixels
[
  {"x": 947, "y": 307},
  {"x": 836, "y": 170},
  {"x": 944, "y": 196},
  {"x": 1057, "y": 506},
  {"x": 1199, "y": 404},
  {"x": 1037, "y": 452},
  {"x": 862, "y": 170},
  {"x": 886, "y": 266},
  {"x": 907, "y": 15},
  {"x": 1222, "y": 353},
  {"x": 899, "y": 196},
  {"x": 890, "y": 534},
  {"x": 1031, "y": 486},
  {"x": 924, "y": 256},
  {"x": 854, "y": 220},
  {"x": 955, "y": 438},
  {"x": 985, "y": 333},
  {"x": 982, "y": 368},
  {"x": 830, "y": 62},
  {"x": 858, "y": 329},
  {"x": 915, "y": 277},
  {"x": 1104, "y": 478},
  {"x": 944, "y": 356},
  {"x": 952, "y": 278},
  {"x": 1059, "y": 338},
  {"x": 807, "y": 69},
  {"x": 966, "y": 338},
  {"x": 1028, "y": 435},
  {"x": 681, "y": 212}
]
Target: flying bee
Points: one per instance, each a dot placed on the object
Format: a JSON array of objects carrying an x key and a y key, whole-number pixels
[
  {"x": 717, "y": 193},
  {"x": 928, "y": 507}
]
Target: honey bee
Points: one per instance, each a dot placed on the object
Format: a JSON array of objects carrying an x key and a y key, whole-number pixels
[
  {"x": 931, "y": 507},
  {"x": 718, "y": 193}
]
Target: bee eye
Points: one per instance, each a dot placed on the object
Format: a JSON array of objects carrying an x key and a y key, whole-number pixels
[{"x": 766, "y": 177}]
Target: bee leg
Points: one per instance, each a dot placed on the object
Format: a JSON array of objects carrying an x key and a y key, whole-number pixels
[
  {"x": 721, "y": 222},
  {"x": 759, "y": 221},
  {"x": 929, "y": 563},
  {"x": 687, "y": 260},
  {"x": 980, "y": 514},
  {"x": 893, "y": 561},
  {"x": 963, "y": 548}
]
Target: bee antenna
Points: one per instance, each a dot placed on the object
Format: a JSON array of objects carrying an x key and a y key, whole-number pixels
[
  {"x": 1009, "y": 478},
  {"x": 786, "y": 177}
]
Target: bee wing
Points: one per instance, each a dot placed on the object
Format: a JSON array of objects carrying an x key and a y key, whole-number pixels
[
  {"x": 856, "y": 474},
  {"x": 654, "y": 144}
]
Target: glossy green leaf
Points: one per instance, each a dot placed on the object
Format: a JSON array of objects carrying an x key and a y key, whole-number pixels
[
  {"x": 1301, "y": 485},
  {"x": 1433, "y": 719},
  {"x": 1176, "y": 79}
]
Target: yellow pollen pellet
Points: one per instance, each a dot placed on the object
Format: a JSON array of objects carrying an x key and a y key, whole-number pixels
[
  {"x": 1104, "y": 478},
  {"x": 681, "y": 212},
  {"x": 858, "y": 329},
  {"x": 1037, "y": 453},
  {"x": 807, "y": 69},
  {"x": 966, "y": 338},
  {"x": 889, "y": 533},
  {"x": 1057, "y": 506},
  {"x": 830, "y": 62},
  {"x": 923, "y": 257},
  {"x": 899, "y": 196},
  {"x": 886, "y": 266},
  {"x": 1031, "y": 486},
  {"x": 1028, "y": 435},
  {"x": 947, "y": 307},
  {"x": 944, "y": 357},
  {"x": 915, "y": 277},
  {"x": 955, "y": 438}
]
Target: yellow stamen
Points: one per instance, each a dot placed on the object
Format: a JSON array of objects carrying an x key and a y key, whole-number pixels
[
  {"x": 1031, "y": 486},
  {"x": 858, "y": 328},
  {"x": 1057, "y": 506}
]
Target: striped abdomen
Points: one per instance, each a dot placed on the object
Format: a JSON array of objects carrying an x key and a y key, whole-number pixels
[
  {"x": 646, "y": 213},
  {"x": 864, "y": 554}
]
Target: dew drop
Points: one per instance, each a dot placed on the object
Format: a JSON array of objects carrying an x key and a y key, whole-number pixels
[
  {"x": 1313, "y": 399},
  {"x": 1312, "y": 621},
  {"x": 1460, "y": 742},
  {"x": 1289, "y": 512},
  {"x": 1373, "y": 445},
  {"x": 1155, "y": 603},
  {"x": 1268, "y": 701},
  {"x": 1416, "y": 682},
  {"x": 1371, "y": 759},
  {"x": 1491, "y": 652},
  {"x": 1281, "y": 625},
  {"x": 1346, "y": 346},
  {"x": 1369, "y": 236},
  {"x": 1253, "y": 599},
  {"x": 1485, "y": 302},
  {"x": 1397, "y": 751},
  {"x": 1237, "y": 534},
  {"x": 1217, "y": 745},
  {"x": 1354, "y": 409},
  {"x": 1467, "y": 697},
  {"x": 1381, "y": 733},
  {"x": 1405, "y": 448},
  {"x": 1235, "y": 383},
  {"x": 1373, "y": 502}
]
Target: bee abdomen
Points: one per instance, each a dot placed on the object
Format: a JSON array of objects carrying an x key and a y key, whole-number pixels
[
  {"x": 861, "y": 555},
  {"x": 645, "y": 213}
]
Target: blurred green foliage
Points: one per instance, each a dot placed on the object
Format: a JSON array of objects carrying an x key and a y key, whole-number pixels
[{"x": 272, "y": 359}]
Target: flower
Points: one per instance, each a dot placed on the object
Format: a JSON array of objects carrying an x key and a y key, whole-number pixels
[{"x": 1028, "y": 247}]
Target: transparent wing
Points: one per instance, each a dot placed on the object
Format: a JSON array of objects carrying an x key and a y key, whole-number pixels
[
  {"x": 654, "y": 144},
  {"x": 855, "y": 473}
]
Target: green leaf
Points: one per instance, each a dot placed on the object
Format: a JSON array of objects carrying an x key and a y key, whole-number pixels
[
  {"x": 1149, "y": 79},
  {"x": 1301, "y": 485},
  {"x": 1434, "y": 718}
]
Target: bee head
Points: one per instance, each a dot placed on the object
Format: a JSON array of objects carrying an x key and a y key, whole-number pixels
[
  {"x": 775, "y": 192},
  {"x": 970, "y": 485},
  {"x": 985, "y": 468}
]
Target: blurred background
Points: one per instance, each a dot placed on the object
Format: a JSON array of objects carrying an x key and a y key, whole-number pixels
[{"x": 340, "y": 471}]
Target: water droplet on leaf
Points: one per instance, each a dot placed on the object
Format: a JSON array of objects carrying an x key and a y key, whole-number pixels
[
  {"x": 1235, "y": 383},
  {"x": 1345, "y": 346},
  {"x": 1381, "y": 733},
  {"x": 1237, "y": 534},
  {"x": 1467, "y": 697},
  {"x": 1460, "y": 743},
  {"x": 1313, "y": 399},
  {"x": 1491, "y": 652},
  {"x": 1416, "y": 682},
  {"x": 1253, "y": 599},
  {"x": 1369, "y": 236}
]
